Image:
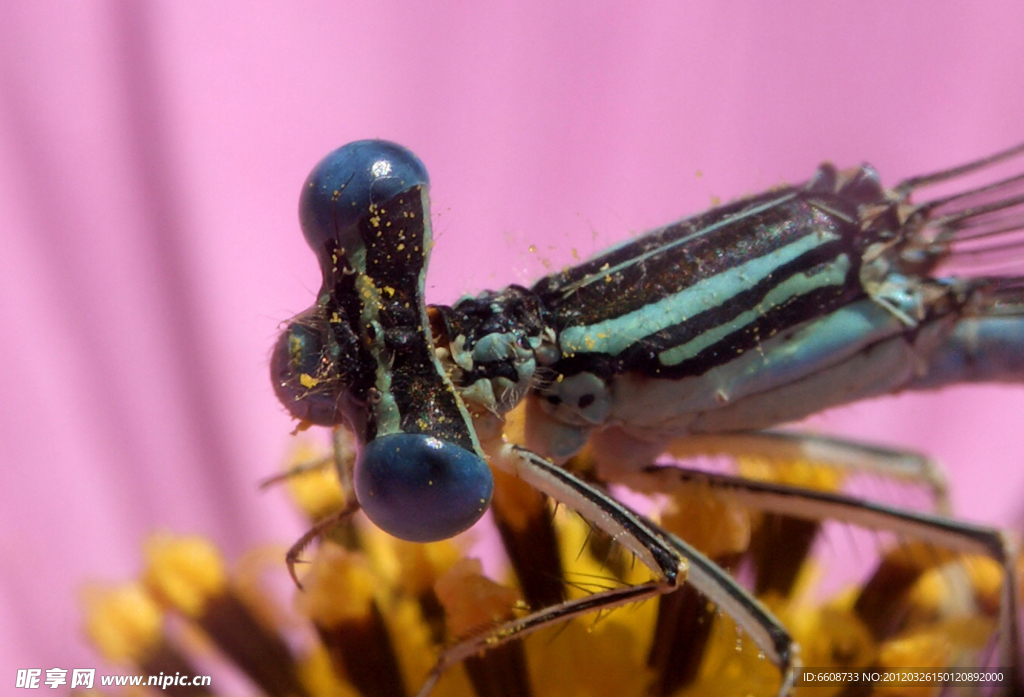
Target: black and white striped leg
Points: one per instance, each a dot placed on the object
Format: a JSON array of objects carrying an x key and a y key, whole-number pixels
[
  {"x": 671, "y": 560},
  {"x": 941, "y": 531}
]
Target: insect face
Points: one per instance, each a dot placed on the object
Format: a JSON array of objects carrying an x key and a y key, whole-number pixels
[{"x": 420, "y": 474}]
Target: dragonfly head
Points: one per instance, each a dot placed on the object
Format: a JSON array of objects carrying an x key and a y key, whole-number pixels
[{"x": 362, "y": 354}]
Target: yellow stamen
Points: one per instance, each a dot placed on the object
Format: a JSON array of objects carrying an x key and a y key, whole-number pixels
[{"x": 184, "y": 572}]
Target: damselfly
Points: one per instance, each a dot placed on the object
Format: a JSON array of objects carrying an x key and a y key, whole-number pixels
[{"x": 695, "y": 336}]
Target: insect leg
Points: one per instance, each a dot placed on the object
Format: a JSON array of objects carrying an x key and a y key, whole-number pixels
[
  {"x": 776, "y": 547},
  {"x": 315, "y": 465},
  {"x": 342, "y": 457},
  {"x": 669, "y": 558},
  {"x": 319, "y": 528},
  {"x": 918, "y": 182},
  {"x": 802, "y": 503},
  {"x": 519, "y": 628},
  {"x": 343, "y": 449},
  {"x": 838, "y": 453}
]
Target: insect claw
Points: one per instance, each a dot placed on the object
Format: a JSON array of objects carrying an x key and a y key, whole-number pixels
[
  {"x": 291, "y": 572},
  {"x": 319, "y": 528}
]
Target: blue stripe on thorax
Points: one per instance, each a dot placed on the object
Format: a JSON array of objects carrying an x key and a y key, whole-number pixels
[{"x": 612, "y": 336}]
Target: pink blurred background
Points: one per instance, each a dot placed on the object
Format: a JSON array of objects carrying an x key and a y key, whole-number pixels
[{"x": 150, "y": 161}]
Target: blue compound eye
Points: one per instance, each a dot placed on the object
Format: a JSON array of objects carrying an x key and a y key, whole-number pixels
[
  {"x": 420, "y": 488},
  {"x": 344, "y": 187},
  {"x": 304, "y": 372}
]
